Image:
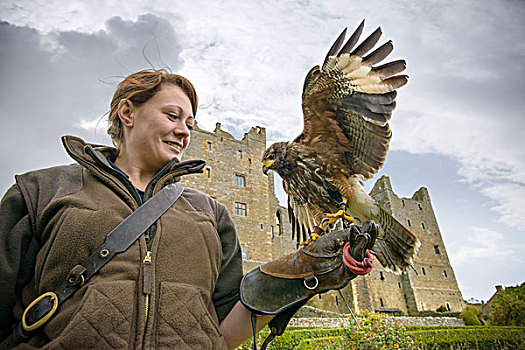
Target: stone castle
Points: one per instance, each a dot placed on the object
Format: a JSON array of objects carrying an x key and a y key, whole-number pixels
[{"x": 233, "y": 176}]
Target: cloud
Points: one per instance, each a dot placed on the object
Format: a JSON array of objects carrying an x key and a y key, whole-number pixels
[
  {"x": 465, "y": 98},
  {"x": 485, "y": 245},
  {"x": 61, "y": 82}
]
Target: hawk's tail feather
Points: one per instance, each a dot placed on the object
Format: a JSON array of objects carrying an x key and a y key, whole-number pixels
[
  {"x": 302, "y": 220},
  {"x": 396, "y": 247}
]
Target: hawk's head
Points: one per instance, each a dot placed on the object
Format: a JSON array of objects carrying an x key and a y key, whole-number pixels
[{"x": 273, "y": 157}]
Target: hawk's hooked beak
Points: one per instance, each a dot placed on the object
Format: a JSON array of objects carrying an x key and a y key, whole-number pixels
[{"x": 266, "y": 165}]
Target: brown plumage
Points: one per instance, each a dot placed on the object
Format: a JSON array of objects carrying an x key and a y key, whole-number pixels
[{"x": 347, "y": 104}]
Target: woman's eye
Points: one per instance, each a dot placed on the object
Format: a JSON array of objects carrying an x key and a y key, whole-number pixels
[
  {"x": 172, "y": 116},
  {"x": 190, "y": 127}
]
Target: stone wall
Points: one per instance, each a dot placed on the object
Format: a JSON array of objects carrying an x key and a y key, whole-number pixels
[
  {"x": 234, "y": 177},
  {"x": 348, "y": 322}
]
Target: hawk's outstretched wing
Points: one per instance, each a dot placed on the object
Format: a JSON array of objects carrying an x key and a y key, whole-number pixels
[{"x": 348, "y": 102}]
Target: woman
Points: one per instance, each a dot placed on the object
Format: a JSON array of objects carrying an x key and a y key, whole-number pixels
[{"x": 176, "y": 286}]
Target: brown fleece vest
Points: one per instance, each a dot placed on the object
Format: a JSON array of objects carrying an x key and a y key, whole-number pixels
[{"x": 72, "y": 209}]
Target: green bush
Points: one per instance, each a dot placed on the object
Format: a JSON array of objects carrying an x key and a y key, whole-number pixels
[
  {"x": 470, "y": 316},
  {"x": 374, "y": 333},
  {"x": 321, "y": 343},
  {"x": 481, "y": 338},
  {"x": 292, "y": 337},
  {"x": 377, "y": 334},
  {"x": 508, "y": 309},
  {"x": 442, "y": 308},
  {"x": 434, "y": 338}
]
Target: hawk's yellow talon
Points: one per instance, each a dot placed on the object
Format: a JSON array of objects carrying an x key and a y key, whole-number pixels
[
  {"x": 312, "y": 238},
  {"x": 330, "y": 218},
  {"x": 349, "y": 218}
]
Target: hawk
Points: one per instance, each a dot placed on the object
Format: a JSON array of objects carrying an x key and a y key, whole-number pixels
[{"x": 346, "y": 105}]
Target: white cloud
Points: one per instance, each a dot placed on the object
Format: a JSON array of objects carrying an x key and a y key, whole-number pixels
[
  {"x": 485, "y": 245},
  {"x": 511, "y": 203},
  {"x": 61, "y": 82}
]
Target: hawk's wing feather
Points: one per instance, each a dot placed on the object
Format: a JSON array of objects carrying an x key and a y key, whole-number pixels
[
  {"x": 370, "y": 141},
  {"x": 379, "y": 54},
  {"x": 368, "y": 44},
  {"x": 347, "y": 104},
  {"x": 395, "y": 246},
  {"x": 354, "y": 38}
]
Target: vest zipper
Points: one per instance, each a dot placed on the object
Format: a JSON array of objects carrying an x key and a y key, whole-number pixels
[{"x": 146, "y": 288}]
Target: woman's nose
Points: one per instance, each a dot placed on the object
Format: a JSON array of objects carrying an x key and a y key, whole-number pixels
[{"x": 181, "y": 129}]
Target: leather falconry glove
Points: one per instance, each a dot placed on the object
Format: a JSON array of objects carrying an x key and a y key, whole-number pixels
[{"x": 282, "y": 286}]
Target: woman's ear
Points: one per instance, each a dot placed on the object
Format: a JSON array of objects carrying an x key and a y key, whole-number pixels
[{"x": 125, "y": 112}]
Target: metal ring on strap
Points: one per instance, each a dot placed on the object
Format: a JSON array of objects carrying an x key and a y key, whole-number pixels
[
  {"x": 40, "y": 322},
  {"x": 315, "y": 285}
]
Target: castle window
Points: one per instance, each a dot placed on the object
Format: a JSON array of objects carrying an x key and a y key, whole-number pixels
[
  {"x": 240, "y": 180},
  {"x": 381, "y": 276},
  {"x": 261, "y": 227},
  {"x": 436, "y": 249},
  {"x": 403, "y": 201},
  {"x": 278, "y": 220},
  {"x": 271, "y": 230},
  {"x": 445, "y": 273},
  {"x": 423, "y": 270},
  {"x": 399, "y": 284},
  {"x": 408, "y": 222},
  {"x": 239, "y": 154},
  {"x": 381, "y": 301},
  {"x": 207, "y": 173},
  {"x": 420, "y": 207},
  {"x": 244, "y": 252},
  {"x": 249, "y": 161},
  {"x": 423, "y": 225},
  {"x": 240, "y": 209},
  {"x": 448, "y": 306},
  {"x": 209, "y": 145}
]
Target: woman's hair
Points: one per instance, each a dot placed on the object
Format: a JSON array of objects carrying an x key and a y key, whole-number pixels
[{"x": 139, "y": 87}]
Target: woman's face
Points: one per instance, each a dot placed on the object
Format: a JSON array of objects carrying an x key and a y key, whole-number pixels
[{"x": 161, "y": 128}]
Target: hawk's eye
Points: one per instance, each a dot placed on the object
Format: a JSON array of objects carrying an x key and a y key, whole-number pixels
[{"x": 271, "y": 156}]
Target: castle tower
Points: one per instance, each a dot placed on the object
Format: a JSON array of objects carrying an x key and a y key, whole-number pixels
[{"x": 432, "y": 282}]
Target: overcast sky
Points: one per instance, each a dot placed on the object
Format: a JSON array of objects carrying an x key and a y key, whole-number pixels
[{"x": 458, "y": 128}]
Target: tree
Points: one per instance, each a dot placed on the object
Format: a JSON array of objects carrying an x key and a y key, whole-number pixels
[
  {"x": 470, "y": 316},
  {"x": 508, "y": 309}
]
